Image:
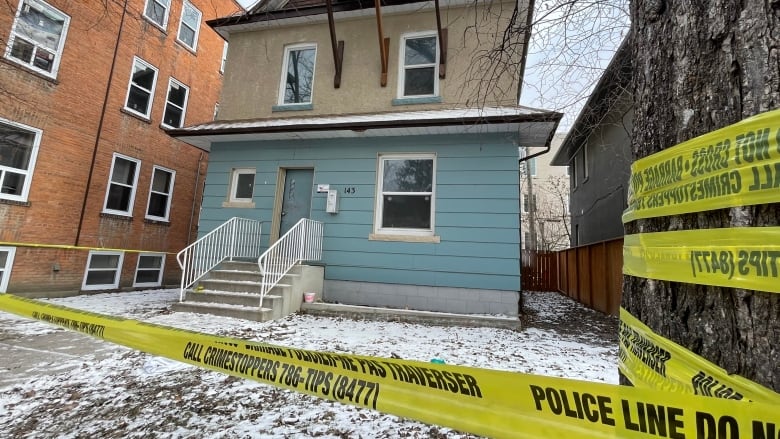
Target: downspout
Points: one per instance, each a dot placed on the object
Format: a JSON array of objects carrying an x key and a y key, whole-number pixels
[
  {"x": 194, "y": 199},
  {"x": 100, "y": 124}
]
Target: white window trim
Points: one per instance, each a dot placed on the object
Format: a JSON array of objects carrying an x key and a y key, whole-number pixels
[
  {"x": 283, "y": 78},
  {"x": 194, "y": 46},
  {"x": 151, "y": 92},
  {"x": 9, "y": 264},
  {"x": 159, "y": 278},
  {"x": 378, "y": 207},
  {"x": 29, "y": 172},
  {"x": 117, "y": 275},
  {"x": 151, "y": 191},
  {"x": 164, "y": 25},
  {"x": 224, "y": 58},
  {"x": 402, "y": 65},
  {"x": 234, "y": 184},
  {"x": 57, "y": 56},
  {"x": 132, "y": 193},
  {"x": 172, "y": 81}
]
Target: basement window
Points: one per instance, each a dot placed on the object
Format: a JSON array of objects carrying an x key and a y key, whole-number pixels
[
  {"x": 160, "y": 194},
  {"x": 6, "y": 262},
  {"x": 149, "y": 271},
  {"x": 18, "y": 151},
  {"x": 140, "y": 91},
  {"x": 103, "y": 269},
  {"x": 122, "y": 184},
  {"x": 189, "y": 26},
  {"x": 38, "y": 37}
]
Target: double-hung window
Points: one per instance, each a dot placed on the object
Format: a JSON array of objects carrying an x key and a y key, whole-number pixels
[
  {"x": 175, "y": 104},
  {"x": 140, "y": 91},
  {"x": 121, "y": 185},
  {"x": 297, "y": 74},
  {"x": 149, "y": 271},
  {"x": 419, "y": 76},
  {"x": 38, "y": 37},
  {"x": 6, "y": 262},
  {"x": 103, "y": 270},
  {"x": 405, "y": 196},
  {"x": 18, "y": 150},
  {"x": 157, "y": 12},
  {"x": 189, "y": 25},
  {"x": 160, "y": 194}
]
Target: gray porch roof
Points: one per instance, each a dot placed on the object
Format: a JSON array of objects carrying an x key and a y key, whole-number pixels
[{"x": 533, "y": 127}]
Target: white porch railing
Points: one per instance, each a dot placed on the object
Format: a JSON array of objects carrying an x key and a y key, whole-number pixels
[
  {"x": 303, "y": 242},
  {"x": 236, "y": 238}
]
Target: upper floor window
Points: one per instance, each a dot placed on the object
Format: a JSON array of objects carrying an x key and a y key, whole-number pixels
[
  {"x": 224, "y": 58},
  {"x": 175, "y": 104},
  {"x": 189, "y": 26},
  {"x": 531, "y": 166},
  {"x": 405, "y": 194},
  {"x": 140, "y": 92},
  {"x": 157, "y": 12},
  {"x": 38, "y": 37},
  {"x": 121, "y": 185},
  {"x": 160, "y": 194},
  {"x": 419, "y": 76},
  {"x": 297, "y": 74},
  {"x": 18, "y": 150}
]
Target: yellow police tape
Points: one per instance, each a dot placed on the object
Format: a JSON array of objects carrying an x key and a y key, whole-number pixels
[
  {"x": 493, "y": 403},
  {"x": 76, "y": 247},
  {"x": 738, "y": 165},
  {"x": 651, "y": 361},
  {"x": 745, "y": 257}
]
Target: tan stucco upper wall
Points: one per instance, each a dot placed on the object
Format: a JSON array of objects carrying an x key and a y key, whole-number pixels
[{"x": 253, "y": 72}]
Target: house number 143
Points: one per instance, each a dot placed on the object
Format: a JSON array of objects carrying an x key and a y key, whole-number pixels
[{"x": 350, "y": 190}]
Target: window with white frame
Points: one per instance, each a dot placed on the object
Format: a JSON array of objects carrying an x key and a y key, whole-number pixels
[
  {"x": 224, "y": 58},
  {"x": 38, "y": 37},
  {"x": 149, "y": 271},
  {"x": 242, "y": 185},
  {"x": 160, "y": 194},
  {"x": 6, "y": 263},
  {"x": 18, "y": 151},
  {"x": 103, "y": 270},
  {"x": 419, "y": 64},
  {"x": 405, "y": 194},
  {"x": 140, "y": 91},
  {"x": 175, "y": 104},
  {"x": 189, "y": 25},
  {"x": 298, "y": 74},
  {"x": 157, "y": 11},
  {"x": 122, "y": 183}
]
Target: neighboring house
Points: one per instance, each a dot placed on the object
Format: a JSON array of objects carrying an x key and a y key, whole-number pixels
[
  {"x": 416, "y": 144},
  {"x": 597, "y": 151},
  {"x": 87, "y": 171},
  {"x": 545, "y": 202}
]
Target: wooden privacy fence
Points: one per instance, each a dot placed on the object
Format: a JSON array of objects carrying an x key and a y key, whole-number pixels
[{"x": 590, "y": 274}]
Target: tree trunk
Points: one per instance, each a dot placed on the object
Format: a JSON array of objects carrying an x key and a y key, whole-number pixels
[{"x": 700, "y": 66}]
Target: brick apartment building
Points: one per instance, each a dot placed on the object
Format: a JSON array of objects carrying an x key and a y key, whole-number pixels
[{"x": 94, "y": 195}]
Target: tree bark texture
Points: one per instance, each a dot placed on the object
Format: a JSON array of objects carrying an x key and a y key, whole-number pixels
[{"x": 701, "y": 65}]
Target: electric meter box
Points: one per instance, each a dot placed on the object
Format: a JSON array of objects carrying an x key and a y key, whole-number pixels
[{"x": 332, "y": 203}]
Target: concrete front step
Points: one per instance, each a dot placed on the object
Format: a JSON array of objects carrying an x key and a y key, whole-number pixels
[
  {"x": 231, "y": 286},
  {"x": 236, "y": 275},
  {"x": 227, "y": 298},
  {"x": 255, "y": 313}
]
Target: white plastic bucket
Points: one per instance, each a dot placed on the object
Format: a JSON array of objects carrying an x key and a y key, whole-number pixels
[{"x": 308, "y": 297}]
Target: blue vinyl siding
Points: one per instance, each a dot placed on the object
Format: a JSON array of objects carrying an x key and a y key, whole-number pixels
[{"x": 476, "y": 202}]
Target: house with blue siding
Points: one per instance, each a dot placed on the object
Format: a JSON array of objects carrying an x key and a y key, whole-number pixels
[{"x": 389, "y": 130}]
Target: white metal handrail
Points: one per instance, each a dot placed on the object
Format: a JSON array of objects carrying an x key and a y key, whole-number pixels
[
  {"x": 236, "y": 238},
  {"x": 303, "y": 242}
]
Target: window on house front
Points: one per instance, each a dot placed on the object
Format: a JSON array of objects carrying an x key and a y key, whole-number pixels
[
  {"x": 175, "y": 104},
  {"x": 140, "y": 92},
  {"x": 157, "y": 12},
  {"x": 38, "y": 37},
  {"x": 405, "y": 199},
  {"x": 6, "y": 263},
  {"x": 242, "y": 185},
  {"x": 531, "y": 166},
  {"x": 298, "y": 75},
  {"x": 419, "y": 76},
  {"x": 18, "y": 151},
  {"x": 149, "y": 271},
  {"x": 528, "y": 205},
  {"x": 103, "y": 270},
  {"x": 573, "y": 173},
  {"x": 189, "y": 26},
  {"x": 585, "y": 164},
  {"x": 160, "y": 194},
  {"x": 121, "y": 185},
  {"x": 224, "y": 58}
]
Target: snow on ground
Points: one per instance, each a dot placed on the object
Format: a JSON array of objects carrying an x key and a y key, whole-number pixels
[{"x": 112, "y": 391}]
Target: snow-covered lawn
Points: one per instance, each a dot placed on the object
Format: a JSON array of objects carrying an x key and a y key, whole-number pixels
[{"x": 113, "y": 391}]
